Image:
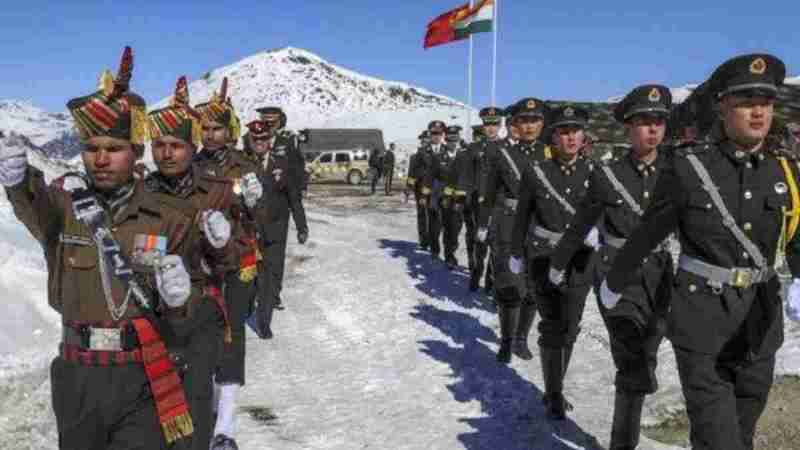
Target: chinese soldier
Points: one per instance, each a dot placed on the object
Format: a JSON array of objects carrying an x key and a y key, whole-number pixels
[
  {"x": 220, "y": 127},
  {"x": 470, "y": 168},
  {"x": 619, "y": 193},
  {"x": 450, "y": 210},
  {"x": 415, "y": 187},
  {"x": 388, "y": 169},
  {"x": 421, "y": 178},
  {"x": 501, "y": 190},
  {"x": 550, "y": 193},
  {"x": 733, "y": 202},
  {"x": 115, "y": 275}
]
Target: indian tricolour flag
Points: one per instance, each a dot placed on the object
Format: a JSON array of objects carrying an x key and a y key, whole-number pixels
[{"x": 478, "y": 19}]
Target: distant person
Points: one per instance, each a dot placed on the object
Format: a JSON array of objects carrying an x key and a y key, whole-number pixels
[
  {"x": 415, "y": 186},
  {"x": 388, "y": 169},
  {"x": 375, "y": 167}
]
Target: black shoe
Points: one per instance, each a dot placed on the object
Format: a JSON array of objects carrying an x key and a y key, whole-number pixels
[
  {"x": 452, "y": 262},
  {"x": 279, "y": 304},
  {"x": 435, "y": 257},
  {"x": 556, "y": 406},
  {"x": 424, "y": 246},
  {"x": 625, "y": 429},
  {"x": 509, "y": 318},
  {"x": 222, "y": 442},
  {"x": 474, "y": 284}
]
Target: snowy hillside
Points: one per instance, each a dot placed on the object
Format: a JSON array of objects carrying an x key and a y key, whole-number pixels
[
  {"x": 51, "y": 131},
  {"x": 317, "y": 94}
]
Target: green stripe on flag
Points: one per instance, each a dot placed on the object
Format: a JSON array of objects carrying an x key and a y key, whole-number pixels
[{"x": 480, "y": 26}]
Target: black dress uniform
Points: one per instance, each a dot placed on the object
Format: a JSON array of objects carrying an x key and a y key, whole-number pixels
[
  {"x": 285, "y": 145},
  {"x": 422, "y": 177},
  {"x": 470, "y": 173},
  {"x": 726, "y": 320},
  {"x": 619, "y": 192},
  {"x": 551, "y": 191},
  {"x": 281, "y": 198},
  {"x": 500, "y": 194},
  {"x": 413, "y": 186},
  {"x": 451, "y": 213}
]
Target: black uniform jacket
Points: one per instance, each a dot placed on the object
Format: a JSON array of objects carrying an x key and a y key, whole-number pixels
[
  {"x": 754, "y": 189},
  {"x": 604, "y": 206},
  {"x": 538, "y": 207}
]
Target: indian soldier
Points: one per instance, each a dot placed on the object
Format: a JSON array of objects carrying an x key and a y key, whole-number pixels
[
  {"x": 388, "y": 169},
  {"x": 733, "y": 202},
  {"x": 548, "y": 198},
  {"x": 176, "y": 133},
  {"x": 280, "y": 198},
  {"x": 413, "y": 186},
  {"x": 619, "y": 192},
  {"x": 219, "y": 158},
  {"x": 375, "y": 168},
  {"x": 114, "y": 275},
  {"x": 283, "y": 144},
  {"x": 470, "y": 167},
  {"x": 500, "y": 199},
  {"x": 450, "y": 210},
  {"x": 422, "y": 176}
]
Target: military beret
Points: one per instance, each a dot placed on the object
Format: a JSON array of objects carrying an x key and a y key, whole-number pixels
[
  {"x": 530, "y": 107},
  {"x": 651, "y": 99},
  {"x": 491, "y": 115},
  {"x": 569, "y": 115},
  {"x": 759, "y": 73},
  {"x": 437, "y": 126}
]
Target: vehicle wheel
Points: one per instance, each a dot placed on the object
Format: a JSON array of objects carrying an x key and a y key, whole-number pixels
[{"x": 355, "y": 177}]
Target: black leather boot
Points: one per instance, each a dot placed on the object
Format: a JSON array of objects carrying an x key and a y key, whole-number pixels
[
  {"x": 553, "y": 363},
  {"x": 509, "y": 320},
  {"x": 527, "y": 314},
  {"x": 627, "y": 420}
]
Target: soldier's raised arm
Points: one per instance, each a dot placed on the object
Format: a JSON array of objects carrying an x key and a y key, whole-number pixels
[{"x": 37, "y": 206}]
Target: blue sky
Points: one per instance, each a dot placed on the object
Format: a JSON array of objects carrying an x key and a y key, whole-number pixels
[{"x": 52, "y": 51}]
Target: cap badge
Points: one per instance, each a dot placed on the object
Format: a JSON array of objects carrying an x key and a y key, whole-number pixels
[
  {"x": 569, "y": 112},
  {"x": 758, "y": 66},
  {"x": 654, "y": 95},
  {"x": 531, "y": 104}
]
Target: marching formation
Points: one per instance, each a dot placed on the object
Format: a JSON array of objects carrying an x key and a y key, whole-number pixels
[
  {"x": 688, "y": 241},
  {"x": 157, "y": 274}
]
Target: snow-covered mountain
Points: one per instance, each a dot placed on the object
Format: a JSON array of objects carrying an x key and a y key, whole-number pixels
[
  {"x": 53, "y": 132},
  {"x": 679, "y": 94},
  {"x": 318, "y": 94}
]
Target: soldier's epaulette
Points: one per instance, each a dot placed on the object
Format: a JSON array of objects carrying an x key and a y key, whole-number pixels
[
  {"x": 783, "y": 152},
  {"x": 691, "y": 148}
]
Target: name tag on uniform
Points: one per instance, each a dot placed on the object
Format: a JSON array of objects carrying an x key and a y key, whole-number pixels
[
  {"x": 105, "y": 339},
  {"x": 148, "y": 249}
]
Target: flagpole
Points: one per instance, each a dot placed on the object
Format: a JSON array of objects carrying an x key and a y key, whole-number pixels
[
  {"x": 469, "y": 84},
  {"x": 494, "y": 54}
]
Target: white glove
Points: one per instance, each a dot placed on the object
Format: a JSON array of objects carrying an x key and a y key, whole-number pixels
[
  {"x": 216, "y": 227},
  {"x": 793, "y": 301},
  {"x": 515, "y": 265},
  {"x": 173, "y": 281},
  {"x": 608, "y": 297},
  {"x": 13, "y": 160},
  {"x": 556, "y": 276},
  {"x": 482, "y": 233},
  {"x": 251, "y": 189},
  {"x": 592, "y": 239}
]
